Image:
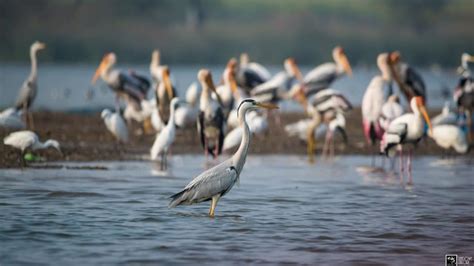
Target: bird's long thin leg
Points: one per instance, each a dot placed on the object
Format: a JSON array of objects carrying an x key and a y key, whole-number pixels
[
  {"x": 401, "y": 165},
  {"x": 326, "y": 145},
  {"x": 372, "y": 157},
  {"x": 410, "y": 176},
  {"x": 22, "y": 159},
  {"x": 30, "y": 118},
  {"x": 214, "y": 201},
  {"x": 216, "y": 148},
  {"x": 469, "y": 125},
  {"x": 311, "y": 146},
  {"x": 331, "y": 149},
  {"x": 206, "y": 151},
  {"x": 117, "y": 103}
]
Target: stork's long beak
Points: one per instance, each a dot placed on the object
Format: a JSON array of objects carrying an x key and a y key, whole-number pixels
[
  {"x": 426, "y": 117},
  {"x": 345, "y": 64},
  {"x": 100, "y": 69},
  {"x": 233, "y": 84},
  {"x": 297, "y": 72},
  {"x": 267, "y": 105},
  {"x": 168, "y": 86}
]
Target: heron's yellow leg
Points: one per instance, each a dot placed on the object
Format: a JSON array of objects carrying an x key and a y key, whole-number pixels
[
  {"x": 213, "y": 205},
  {"x": 147, "y": 127}
]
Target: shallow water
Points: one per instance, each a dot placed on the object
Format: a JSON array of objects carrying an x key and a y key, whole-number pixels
[
  {"x": 66, "y": 87},
  {"x": 283, "y": 211}
]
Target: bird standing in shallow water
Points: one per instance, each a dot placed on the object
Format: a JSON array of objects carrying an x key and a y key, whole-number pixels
[
  {"x": 28, "y": 140},
  {"x": 165, "y": 138},
  {"x": 29, "y": 88},
  {"x": 217, "y": 181},
  {"x": 405, "y": 130}
]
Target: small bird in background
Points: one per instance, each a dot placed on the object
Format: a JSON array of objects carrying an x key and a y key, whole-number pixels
[
  {"x": 116, "y": 125},
  {"x": 28, "y": 141}
]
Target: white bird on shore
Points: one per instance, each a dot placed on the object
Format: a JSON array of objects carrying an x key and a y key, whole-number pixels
[
  {"x": 257, "y": 125},
  {"x": 188, "y": 112},
  {"x": 28, "y": 140},
  {"x": 115, "y": 124},
  {"x": 446, "y": 117},
  {"x": 214, "y": 183},
  {"x": 450, "y": 136},
  {"x": 11, "y": 118},
  {"x": 165, "y": 138},
  {"x": 405, "y": 130}
]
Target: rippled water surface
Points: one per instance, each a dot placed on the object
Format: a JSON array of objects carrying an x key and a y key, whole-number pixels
[{"x": 283, "y": 211}]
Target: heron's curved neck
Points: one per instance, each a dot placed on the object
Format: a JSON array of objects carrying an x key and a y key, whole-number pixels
[
  {"x": 239, "y": 157},
  {"x": 34, "y": 66}
]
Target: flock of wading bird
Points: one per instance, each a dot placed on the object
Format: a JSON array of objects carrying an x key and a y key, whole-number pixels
[{"x": 228, "y": 115}]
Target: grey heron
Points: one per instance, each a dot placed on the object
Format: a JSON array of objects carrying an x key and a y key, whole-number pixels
[
  {"x": 217, "y": 181},
  {"x": 29, "y": 88}
]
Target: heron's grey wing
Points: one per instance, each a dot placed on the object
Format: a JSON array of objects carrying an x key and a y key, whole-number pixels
[{"x": 215, "y": 181}]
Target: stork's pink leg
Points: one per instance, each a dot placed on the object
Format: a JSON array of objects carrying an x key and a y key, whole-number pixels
[
  {"x": 216, "y": 149},
  {"x": 401, "y": 165},
  {"x": 410, "y": 176}
]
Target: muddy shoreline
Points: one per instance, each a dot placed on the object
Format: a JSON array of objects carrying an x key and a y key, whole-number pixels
[{"x": 83, "y": 137}]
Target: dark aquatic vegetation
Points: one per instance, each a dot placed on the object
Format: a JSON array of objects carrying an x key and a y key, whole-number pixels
[{"x": 283, "y": 211}]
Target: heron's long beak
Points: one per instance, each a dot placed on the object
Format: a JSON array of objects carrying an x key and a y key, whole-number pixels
[
  {"x": 426, "y": 117},
  {"x": 267, "y": 105},
  {"x": 345, "y": 64},
  {"x": 100, "y": 69}
]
